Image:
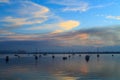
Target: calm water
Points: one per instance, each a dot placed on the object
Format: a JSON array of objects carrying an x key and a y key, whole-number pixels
[{"x": 25, "y": 67}]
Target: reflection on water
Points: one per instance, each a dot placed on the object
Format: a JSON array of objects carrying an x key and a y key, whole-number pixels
[{"x": 53, "y": 67}]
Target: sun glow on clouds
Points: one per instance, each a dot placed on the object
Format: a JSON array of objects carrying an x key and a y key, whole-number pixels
[
  {"x": 77, "y": 37},
  {"x": 68, "y": 25},
  {"x": 57, "y": 31},
  {"x": 58, "y": 27},
  {"x": 83, "y": 36}
]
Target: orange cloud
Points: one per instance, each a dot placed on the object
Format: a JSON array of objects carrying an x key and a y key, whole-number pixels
[
  {"x": 68, "y": 25},
  {"x": 58, "y": 27},
  {"x": 57, "y": 31},
  {"x": 83, "y": 36},
  {"x": 23, "y": 37}
]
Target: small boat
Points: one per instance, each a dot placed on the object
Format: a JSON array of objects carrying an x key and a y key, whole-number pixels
[
  {"x": 36, "y": 57},
  {"x": 112, "y": 55},
  {"x": 98, "y": 55},
  {"x": 69, "y": 56},
  {"x": 53, "y": 56},
  {"x": 7, "y": 59},
  {"x": 64, "y": 58},
  {"x": 87, "y": 57}
]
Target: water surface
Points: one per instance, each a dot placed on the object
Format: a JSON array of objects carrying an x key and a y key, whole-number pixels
[{"x": 75, "y": 67}]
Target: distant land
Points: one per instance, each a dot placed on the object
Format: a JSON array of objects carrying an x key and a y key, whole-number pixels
[{"x": 24, "y": 52}]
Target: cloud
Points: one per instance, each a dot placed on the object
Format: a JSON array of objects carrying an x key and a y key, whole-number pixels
[
  {"x": 93, "y": 37},
  {"x": 44, "y": 27},
  {"x": 82, "y": 7},
  {"x": 25, "y": 13},
  {"x": 79, "y": 40},
  {"x": 34, "y": 15},
  {"x": 5, "y": 32},
  {"x": 104, "y": 36},
  {"x": 68, "y": 25},
  {"x": 4, "y": 1},
  {"x": 58, "y": 27},
  {"x": 113, "y": 17},
  {"x": 72, "y": 5},
  {"x": 57, "y": 31},
  {"x": 17, "y": 22},
  {"x": 76, "y": 5},
  {"x": 14, "y": 21}
]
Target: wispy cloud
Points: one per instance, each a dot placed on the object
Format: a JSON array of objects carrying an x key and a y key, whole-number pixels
[
  {"x": 72, "y": 5},
  {"x": 76, "y": 5},
  {"x": 82, "y": 7},
  {"x": 4, "y": 1},
  {"x": 113, "y": 17},
  {"x": 26, "y": 13},
  {"x": 5, "y": 32},
  {"x": 17, "y": 22},
  {"x": 44, "y": 27}
]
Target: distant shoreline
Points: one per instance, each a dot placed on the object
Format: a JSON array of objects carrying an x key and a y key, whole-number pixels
[{"x": 63, "y": 53}]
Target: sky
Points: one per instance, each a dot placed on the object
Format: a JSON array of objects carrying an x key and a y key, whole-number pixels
[{"x": 60, "y": 25}]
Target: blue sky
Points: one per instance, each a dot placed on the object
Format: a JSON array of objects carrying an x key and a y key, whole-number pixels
[{"x": 60, "y": 23}]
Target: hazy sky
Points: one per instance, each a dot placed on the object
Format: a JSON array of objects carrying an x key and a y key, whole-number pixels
[{"x": 59, "y": 25}]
